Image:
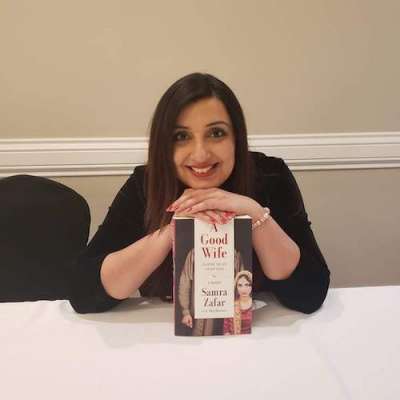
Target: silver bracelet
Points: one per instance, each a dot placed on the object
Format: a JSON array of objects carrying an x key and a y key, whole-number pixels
[{"x": 260, "y": 221}]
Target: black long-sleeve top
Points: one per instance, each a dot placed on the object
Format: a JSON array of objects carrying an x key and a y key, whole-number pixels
[{"x": 304, "y": 290}]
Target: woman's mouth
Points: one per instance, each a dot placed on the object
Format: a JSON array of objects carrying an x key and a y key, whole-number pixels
[{"x": 204, "y": 172}]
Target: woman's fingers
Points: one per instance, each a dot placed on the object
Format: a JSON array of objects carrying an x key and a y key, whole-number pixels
[
  {"x": 214, "y": 216},
  {"x": 189, "y": 198},
  {"x": 213, "y": 203},
  {"x": 201, "y": 216},
  {"x": 200, "y": 200},
  {"x": 209, "y": 216},
  {"x": 219, "y": 217},
  {"x": 224, "y": 201}
]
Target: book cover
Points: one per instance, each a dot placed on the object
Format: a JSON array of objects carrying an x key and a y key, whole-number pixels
[{"x": 212, "y": 277}]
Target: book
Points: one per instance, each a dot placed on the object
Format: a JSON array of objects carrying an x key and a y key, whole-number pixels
[{"x": 212, "y": 277}]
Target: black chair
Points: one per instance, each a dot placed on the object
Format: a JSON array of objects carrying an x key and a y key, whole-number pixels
[{"x": 44, "y": 225}]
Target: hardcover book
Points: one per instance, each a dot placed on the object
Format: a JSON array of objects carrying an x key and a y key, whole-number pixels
[{"x": 212, "y": 277}]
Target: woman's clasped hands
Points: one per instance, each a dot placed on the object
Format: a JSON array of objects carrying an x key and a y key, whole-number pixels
[{"x": 213, "y": 205}]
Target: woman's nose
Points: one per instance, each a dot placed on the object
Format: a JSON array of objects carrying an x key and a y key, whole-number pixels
[{"x": 200, "y": 151}]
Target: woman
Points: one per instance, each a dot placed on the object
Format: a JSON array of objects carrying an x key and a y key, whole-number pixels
[
  {"x": 241, "y": 321},
  {"x": 199, "y": 165}
]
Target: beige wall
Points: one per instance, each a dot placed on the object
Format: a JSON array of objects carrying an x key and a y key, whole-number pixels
[
  {"x": 355, "y": 218},
  {"x": 97, "y": 68}
]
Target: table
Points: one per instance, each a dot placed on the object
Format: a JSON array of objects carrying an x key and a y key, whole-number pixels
[{"x": 349, "y": 349}]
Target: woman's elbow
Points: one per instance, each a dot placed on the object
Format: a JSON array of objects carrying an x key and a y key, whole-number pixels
[
  {"x": 318, "y": 296},
  {"x": 308, "y": 299}
]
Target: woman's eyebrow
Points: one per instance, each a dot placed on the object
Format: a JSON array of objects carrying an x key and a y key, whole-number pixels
[{"x": 210, "y": 124}]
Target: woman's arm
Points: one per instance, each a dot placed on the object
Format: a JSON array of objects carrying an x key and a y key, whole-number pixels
[
  {"x": 120, "y": 256},
  {"x": 277, "y": 252},
  {"x": 123, "y": 272},
  {"x": 306, "y": 287}
]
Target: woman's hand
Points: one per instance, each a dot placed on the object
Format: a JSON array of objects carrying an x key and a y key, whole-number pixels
[
  {"x": 215, "y": 200},
  {"x": 208, "y": 216},
  {"x": 187, "y": 320}
]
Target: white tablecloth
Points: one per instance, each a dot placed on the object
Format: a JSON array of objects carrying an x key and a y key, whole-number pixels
[{"x": 349, "y": 349}]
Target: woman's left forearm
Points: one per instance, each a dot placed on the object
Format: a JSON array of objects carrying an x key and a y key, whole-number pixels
[{"x": 277, "y": 252}]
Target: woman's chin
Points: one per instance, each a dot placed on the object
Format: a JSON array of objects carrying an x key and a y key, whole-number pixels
[
  {"x": 196, "y": 185},
  {"x": 200, "y": 183}
]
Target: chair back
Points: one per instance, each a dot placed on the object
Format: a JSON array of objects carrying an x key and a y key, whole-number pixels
[{"x": 44, "y": 225}]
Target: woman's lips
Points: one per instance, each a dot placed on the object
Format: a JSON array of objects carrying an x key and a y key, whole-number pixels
[{"x": 204, "y": 172}]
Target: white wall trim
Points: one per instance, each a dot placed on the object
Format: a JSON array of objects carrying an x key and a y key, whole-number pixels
[{"x": 118, "y": 156}]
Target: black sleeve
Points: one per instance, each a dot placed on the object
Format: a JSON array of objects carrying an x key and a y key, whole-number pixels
[
  {"x": 122, "y": 226},
  {"x": 306, "y": 288}
]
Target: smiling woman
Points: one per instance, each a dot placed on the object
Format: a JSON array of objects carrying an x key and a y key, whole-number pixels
[
  {"x": 204, "y": 151},
  {"x": 198, "y": 140},
  {"x": 199, "y": 165}
]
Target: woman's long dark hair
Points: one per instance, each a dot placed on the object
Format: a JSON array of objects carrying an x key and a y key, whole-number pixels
[{"x": 161, "y": 184}]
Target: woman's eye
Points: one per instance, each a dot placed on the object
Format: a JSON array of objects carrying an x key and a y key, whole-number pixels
[
  {"x": 218, "y": 132},
  {"x": 180, "y": 136}
]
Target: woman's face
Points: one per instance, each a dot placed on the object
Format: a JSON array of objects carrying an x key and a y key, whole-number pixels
[
  {"x": 243, "y": 287},
  {"x": 204, "y": 144}
]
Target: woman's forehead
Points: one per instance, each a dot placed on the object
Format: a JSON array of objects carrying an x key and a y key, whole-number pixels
[{"x": 203, "y": 112}]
